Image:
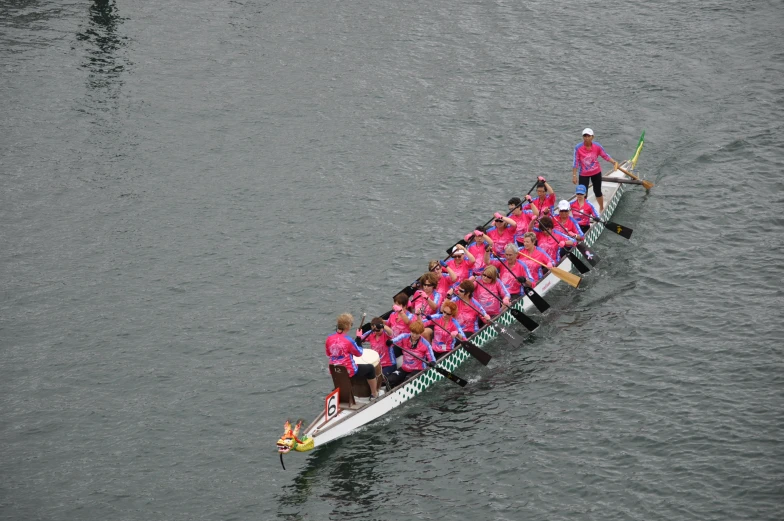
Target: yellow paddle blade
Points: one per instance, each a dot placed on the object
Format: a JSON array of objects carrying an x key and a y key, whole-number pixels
[{"x": 570, "y": 278}]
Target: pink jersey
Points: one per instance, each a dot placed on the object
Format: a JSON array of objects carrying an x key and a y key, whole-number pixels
[
  {"x": 339, "y": 348},
  {"x": 501, "y": 237},
  {"x": 534, "y": 268},
  {"x": 463, "y": 270},
  {"x": 396, "y": 323},
  {"x": 419, "y": 300},
  {"x": 443, "y": 341},
  {"x": 585, "y": 208},
  {"x": 547, "y": 202},
  {"x": 510, "y": 279},
  {"x": 586, "y": 160},
  {"x": 468, "y": 318},
  {"x": 491, "y": 304},
  {"x": 444, "y": 283},
  {"x": 548, "y": 244},
  {"x": 478, "y": 251},
  {"x": 568, "y": 226},
  {"x": 377, "y": 341},
  {"x": 522, "y": 220},
  {"x": 421, "y": 349}
]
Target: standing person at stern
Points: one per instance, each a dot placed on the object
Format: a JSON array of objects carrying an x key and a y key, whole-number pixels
[{"x": 586, "y": 163}]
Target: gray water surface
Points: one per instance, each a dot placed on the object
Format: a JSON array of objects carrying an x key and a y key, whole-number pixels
[{"x": 192, "y": 191}]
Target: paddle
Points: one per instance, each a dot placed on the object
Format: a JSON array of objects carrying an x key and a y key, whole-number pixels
[
  {"x": 623, "y": 231},
  {"x": 483, "y": 357},
  {"x": 582, "y": 268},
  {"x": 521, "y": 317},
  {"x": 570, "y": 278},
  {"x": 503, "y": 332},
  {"x": 590, "y": 256},
  {"x": 645, "y": 184},
  {"x": 536, "y": 299},
  {"x": 432, "y": 365}
]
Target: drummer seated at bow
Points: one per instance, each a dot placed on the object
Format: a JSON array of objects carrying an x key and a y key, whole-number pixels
[
  {"x": 442, "y": 329},
  {"x": 376, "y": 339},
  {"x": 341, "y": 350},
  {"x": 412, "y": 345}
]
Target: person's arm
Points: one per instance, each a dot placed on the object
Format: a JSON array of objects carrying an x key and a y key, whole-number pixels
[
  {"x": 574, "y": 165},
  {"x": 429, "y": 349},
  {"x": 354, "y": 348}
]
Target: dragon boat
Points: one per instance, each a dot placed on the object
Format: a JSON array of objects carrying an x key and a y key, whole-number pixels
[{"x": 348, "y": 407}]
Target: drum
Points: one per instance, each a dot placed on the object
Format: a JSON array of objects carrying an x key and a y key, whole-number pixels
[{"x": 368, "y": 357}]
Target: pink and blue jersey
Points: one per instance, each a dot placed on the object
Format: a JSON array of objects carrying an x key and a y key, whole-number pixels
[
  {"x": 519, "y": 269},
  {"x": 339, "y": 348},
  {"x": 501, "y": 237},
  {"x": 396, "y": 323},
  {"x": 491, "y": 304},
  {"x": 443, "y": 340},
  {"x": 468, "y": 318},
  {"x": 586, "y": 160},
  {"x": 419, "y": 300},
  {"x": 585, "y": 208},
  {"x": 378, "y": 342},
  {"x": 422, "y": 349},
  {"x": 534, "y": 268},
  {"x": 570, "y": 225},
  {"x": 462, "y": 270}
]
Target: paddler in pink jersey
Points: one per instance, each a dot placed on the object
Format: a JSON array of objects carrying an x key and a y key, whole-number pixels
[
  {"x": 446, "y": 277},
  {"x": 487, "y": 285},
  {"x": 519, "y": 275},
  {"x": 469, "y": 310},
  {"x": 442, "y": 329},
  {"x": 531, "y": 250},
  {"x": 461, "y": 263},
  {"x": 418, "y": 345},
  {"x": 477, "y": 243},
  {"x": 545, "y": 197},
  {"x": 341, "y": 349},
  {"x": 582, "y": 208},
  {"x": 376, "y": 338},
  {"x": 586, "y": 163},
  {"x": 502, "y": 233},
  {"x": 565, "y": 223},
  {"x": 401, "y": 317},
  {"x": 522, "y": 214},
  {"x": 547, "y": 238},
  {"x": 426, "y": 299}
]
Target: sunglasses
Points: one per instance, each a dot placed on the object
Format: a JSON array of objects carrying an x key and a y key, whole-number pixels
[
  {"x": 378, "y": 326},
  {"x": 586, "y": 135},
  {"x": 461, "y": 291},
  {"x": 498, "y": 220},
  {"x": 486, "y": 276},
  {"x": 447, "y": 314},
  {"x": 429, "y": 285}
]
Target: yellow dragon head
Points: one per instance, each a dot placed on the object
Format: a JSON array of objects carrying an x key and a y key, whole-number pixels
[{"x": 290, "y": 439}]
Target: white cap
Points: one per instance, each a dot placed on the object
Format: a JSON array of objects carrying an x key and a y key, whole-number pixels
[
  {"x": 563, "y": 205},
  {"x": 458, "y": 249},
  {"x": 587, "y": 131}
]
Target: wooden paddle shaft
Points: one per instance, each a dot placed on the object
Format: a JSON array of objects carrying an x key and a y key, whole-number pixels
[{"x": 621, "y": 180}]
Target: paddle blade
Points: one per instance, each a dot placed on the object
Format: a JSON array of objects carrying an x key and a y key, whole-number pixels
[
  {"x": 589, "y": 255},
  {"x": 570, "y": 278},
  {"x": 506, "y": 334},
  {"x": 524, "y": 319},
  {"x": 577, "y": 263},
  {"x": 647, "y": 185},
  {"x": 461, "y": 242},
  {"x": 536, "y": 299},
  {"x": 623, "y": 231},
  {"x": 451, "y": 376},
  {"x": 483, "y": 357}
]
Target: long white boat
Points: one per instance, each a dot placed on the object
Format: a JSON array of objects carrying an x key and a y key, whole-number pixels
[{"x": 336, "y": 421}]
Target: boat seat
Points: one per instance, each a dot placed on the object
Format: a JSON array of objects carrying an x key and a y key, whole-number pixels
[{"x": 352, "y": 386}]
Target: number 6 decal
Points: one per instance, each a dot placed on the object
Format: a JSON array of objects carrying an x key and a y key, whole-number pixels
[{"x": 332, "y": 405}]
